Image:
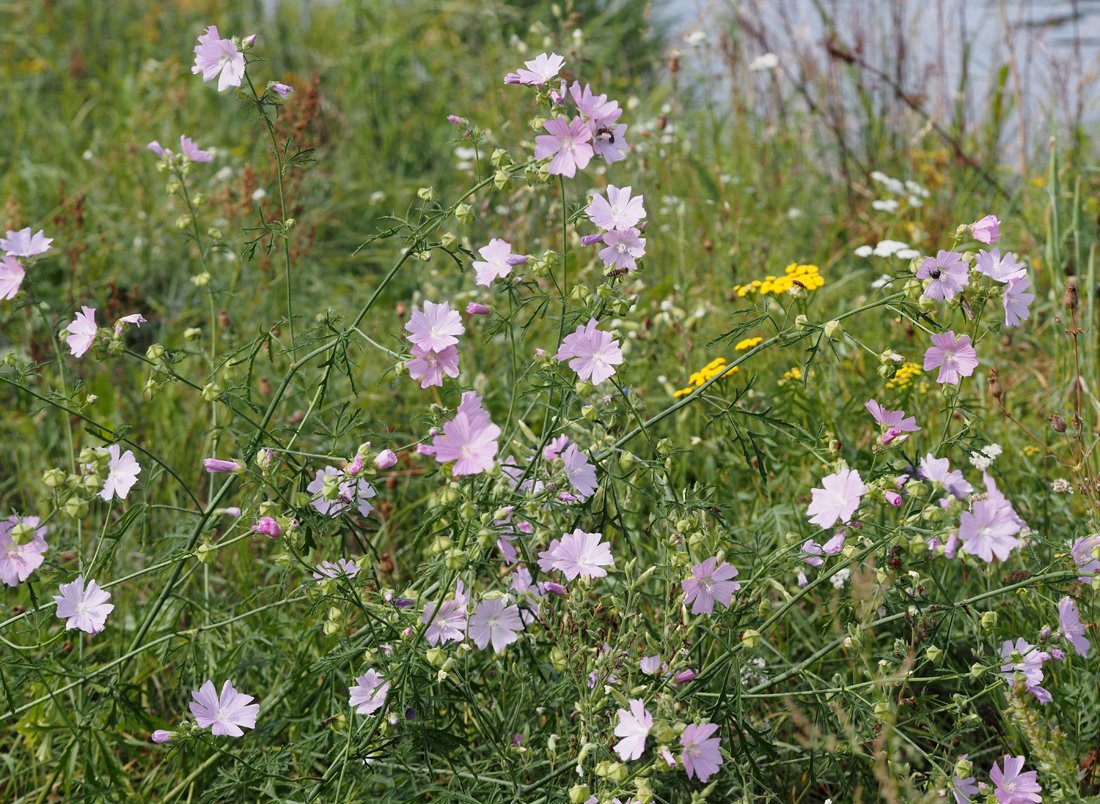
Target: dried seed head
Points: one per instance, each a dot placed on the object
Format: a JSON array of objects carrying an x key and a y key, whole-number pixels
[
  {"x": 1058, "y": 423},
  {"x": 1070, "y": 297}
]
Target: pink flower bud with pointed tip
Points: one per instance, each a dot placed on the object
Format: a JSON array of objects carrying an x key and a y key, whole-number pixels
[
  {"x": 474, "y": 308},
  {"x": 385, "y": 459},
  {"x": 356, "y": 466},
  {"x": 162, "y": 736},
  {"x": 893, "y": 498},
  {"x": 684, "y": 676},
  {"x": 213, "y": 465}
]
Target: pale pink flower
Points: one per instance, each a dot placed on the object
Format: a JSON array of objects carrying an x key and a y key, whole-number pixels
[
  {"x": 137, "y": 319},
  {"x": 948, "y": 272},
  {"x": 82, "y": 331},
  {"x": 939, "y": 471},
  {"x": 192, "y": 151},
  {"x": 122, "y": 472},
  {"x": 83, "y": 608},
  {"x": 436, "y": 327},
  {"x": 554, "y": 448},
  {"x": 622, "y": 249},
  {"x": 701, "y": 756},
  {"x": 18, "y": 561},
  {"x": 215, "y": 56},
  {"x": 497, "y": 261},
  {"x": 569, "y": 143},
  {"x": 448, "y": 624},
  {"x": 497, "y": 622},
  {"x": 953, "y": 356},
  {"x": 619, "y": 211},
  {"x": 608, "y": 137},
  {"x": 469, "y": 439},
  {"x": 838, "y": 498},
  {"x": 1069, "y": 626},
  {"x": 24, "y": 244},
  {"x": 892, "y": 419},
  {"x": 1012, "y": 786},
  {"x": 1017, "y": 299},
  {"x": 998, "y": 268},
  {"x": 1030, "y": 665},
  {"x": 429, "y": 366},
  {"x": 538, "y": 71},
  {"x": 582, "y": 554},
  {"x": 591, "y": 353},
  {"x": 11, "y": 277},
  {"x": 369, "y": 693},
  {"x": 332, "y": 570},
  {"x": 649, "y": 664},
  {"x": 1087, "y": 563},
  {"x": 580, "y": 473},
  {"x": 989, "y": 529},
  {"x": 986, "y": 230},
  {"x": 709, "y": 582},
  {"x": 633, "y": 727},
  {"x": 226, "y": 714},
  {"x": 596, "y": 107}
]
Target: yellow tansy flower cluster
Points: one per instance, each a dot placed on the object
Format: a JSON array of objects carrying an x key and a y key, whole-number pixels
[
  {"x": 700, "y": 377},
  {"x": 905, "y": 375},
  {"x": 794, "y": 373},
  {"x": 807, "y": 276},
  {"x": 748, "y": 343}
]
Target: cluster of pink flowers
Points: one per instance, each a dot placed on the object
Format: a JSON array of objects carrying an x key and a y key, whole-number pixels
[
  {"x": 433, "y": 333},
  {"x": 571, "y": 143},
  {"x": 619, "y": 216}
]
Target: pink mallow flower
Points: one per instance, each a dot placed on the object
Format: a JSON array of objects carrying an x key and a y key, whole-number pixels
[
  {"x": 348, "y": 490},
  {"x": 469, "y": 439},
  {"x": 497, "y": 261},
  {"x": 429, "y": 366},
  {"x": 1088, "y": 565},
  {"x": 24, "y": 244},
  {"x": 618, "y": 211},
  {"x": 1071, "y": 627},
  {"x": 569, "y": 143},
  {"x": 710, "y": 582},
  {"x": 938, "y": 470},
  {"x": 448, "y": 623},
  {"x": 1017, "y": 300},
  {"x": 948, "y": 272},
  {"x": 340, "y": 568},
  {"x": 554, "y": 448},
  {"x": 580, "y": 473},
  {"x": 122, "y": 472},
  {"x": 82, "y": 331},
  {"x": 1013, "y": 787},
  {"x": 435, "y": 327},
  {"x": 892, "y": 419},
  {"x": 1029, "y": 665},
  {"x": 226, "y": 714},
  {"x": 11, "y": 277},
  {"x": 18, "y": 561},
  {"x": 998, "y": 268},
  {"x": 216, "y": 57},
  {"x": 633, "y": 727},
  {"x": 581, "y": 554},
  {"x": 369, "y": 693},
  {"x": 701, "y": 756},
  {"x": 622, "y": 249},
  {"x": 986, "y": 230},
  {"x": 838, "y": 498},
  {"x": 192, "y": 151},
  {"x": 497, "y": 622},
  {"x": 989, "y": 530},
  {"x": 954, "y": 357},
  {"x": 538, "y": 71},
  {"x": 592, "y": 353},
  {"x": 83, "y": 608}
]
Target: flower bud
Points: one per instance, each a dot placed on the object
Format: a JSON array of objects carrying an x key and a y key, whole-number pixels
[
  {"x": 751, "y": 637},
  {"x": 206, "y": 553},
  {"x": 933, "y": 654},
  {"x": 464, "y": 212},
  {"x": 501, "y": 179},
  {"x": 448, "y": 241},
  {"x": 53, "y": 478},
  {"x": 989, "y": 619},
  {"x": 425, "y": 193},
  {"x": 155, "y": 352},
  {"x": 833, "y": 329},
  {"x": 801, "y": 323},
  {"x": 211, "y": 391}
]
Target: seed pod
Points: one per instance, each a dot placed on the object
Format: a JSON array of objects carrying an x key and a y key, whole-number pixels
[
  {"x": 1058, "y": 423},
  {"x": 1070, "y": 296}
]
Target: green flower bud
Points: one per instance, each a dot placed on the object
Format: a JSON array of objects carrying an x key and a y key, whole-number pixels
[
  {"x": 455, "y": 560},
  {"x": 21, "y": 533},
  {"x": 53, "y": 478},
  {"x": 464, "y": 212},
  {"x": 155, "y": 352},
  {"x": 435, "y": 656},
  {"x": 183, "y": 222},
  {"x": 933, "y": 654},
  {"x": 989, "y": 619},
  {"x": 211, "y": 391},
  {"x": 206, "y": 553},
  {"x": 448, "y": 241},
  {"x": 751, "y": 637},
  {"x": 75, "y": 508},
  {"x": 425, "y": 193},
  {"x": 833, "y": 329},
  {"x": 501, "y": 179},
  {"x": 578, "y": 794}
]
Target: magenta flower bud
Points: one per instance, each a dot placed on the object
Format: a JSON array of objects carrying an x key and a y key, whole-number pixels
[
  {"x": 282, "y": 89},
  {"x": 233, "y": 511},
  {"x": 1057, "y": 653},
  {"x": 385, "y": 459},
  {"x": 588, "y": 240},
  {"x": 356, "y": 466},
  {"x": 566, "y": 497},
  {"x": 213, "y": 465},
  {"x": 554, "y": 588},
  {"x": 1044, "y": 632},
  {"x": 893, "y": 498},
  {"x": 455, "y": 120},
  {"x": 933, "y": 543},
  {"x": 891, "y": 435},
  {"x": 952, "y": 545},
  {"x": 517, "y": 739},
  {"x": 162, "y": 736},
  {"x": 684, "y": 676},
  {"x": 268, "y": 527},
  {"x": 473, "y": 308}
]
